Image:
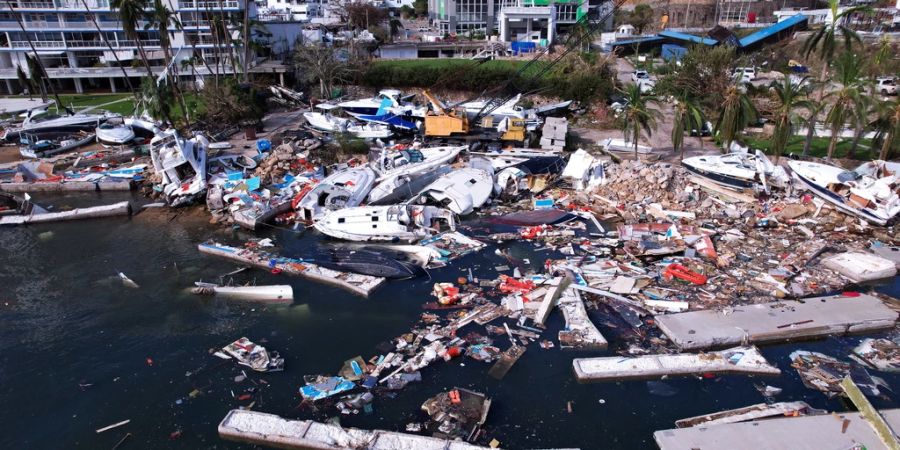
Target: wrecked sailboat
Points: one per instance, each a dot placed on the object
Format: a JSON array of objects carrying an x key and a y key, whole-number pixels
[
  {"x": 400, "y": 160},
  {"x": 460, "y": 191},
  {"x": 738, "y": 170},
  {"x": 375, "y": 261},
  {"x": 181, "y": 163},
  {"x": 396, "y": 223},
  {"x": 400, "y": 188},
  {"x": 868, "y": 194},
  {"x": 370, "y": 130},
  {"x": 254, "y": 356},
  {"x": 344, "y": 189}
]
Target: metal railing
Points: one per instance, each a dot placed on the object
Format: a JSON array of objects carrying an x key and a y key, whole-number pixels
[
  {"x": 147, "y": 43},
  {"x": 209, "y": 4},
  {"x": 88, "y": 25}
]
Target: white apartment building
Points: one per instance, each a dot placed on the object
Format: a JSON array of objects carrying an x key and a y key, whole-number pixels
[
  {"x": 76, "y": 56},
  {"x": 313, "y": 11}
]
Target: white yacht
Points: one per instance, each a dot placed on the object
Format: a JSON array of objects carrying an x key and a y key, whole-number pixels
[
  {"x": 869, "y": 192},
  {"x": 394, "y": 223},
  {"x": 344, "y": 189}
]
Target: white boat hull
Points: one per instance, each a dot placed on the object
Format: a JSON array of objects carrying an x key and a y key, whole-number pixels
[{"x": 395, "y": 223}]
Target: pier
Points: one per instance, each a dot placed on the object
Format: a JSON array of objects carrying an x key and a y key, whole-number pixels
[
  {"x": 355, "y": 283},
  {"x": 93, "y": 212},
  {"x": 777, "y": 322},
  {"x": 274, "y": 431},
  {"x": 67, "y": 186},
  {"x": 738, "y": 360}
]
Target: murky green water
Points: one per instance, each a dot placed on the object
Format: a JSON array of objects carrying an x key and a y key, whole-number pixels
[{"x": 66, "y": 320}]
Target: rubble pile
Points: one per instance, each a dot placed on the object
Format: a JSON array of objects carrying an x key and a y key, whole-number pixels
[{"x": 287, "y": 157}]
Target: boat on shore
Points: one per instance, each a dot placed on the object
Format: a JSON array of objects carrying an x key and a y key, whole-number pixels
[
  {"x": 344, "y": 189},
  {"x": 181, "y": 163},
  {"x": 114, "y": 132},
  {"x": 38, "y": 121},
  {"x": 47, "y": 144},
  {"x": 326, "y": 122},
  {"x": 395, "y": 223},
  {"x": 738, "y": 170},
  {"x": 460, "y": 191},
  {"x": 399, "y": 188},
  {"x": 402, "y": 160},
  {"x": 370, "y": 130},
  {"x": 871, "y": 193}
]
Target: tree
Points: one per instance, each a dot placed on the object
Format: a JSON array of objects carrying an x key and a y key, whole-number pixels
[
  {"x": 704, "y": 74},
  {"x": 162, "y": 18},
  {"x": 420, "y": 7},
  {"x": 641, "y": 17},
  {"x": 737, "y": 112},
  {"x": 686, "y": 116},
  {"x": 321, "y": 64},
  {"x": 887, "y": 127},
  {"x": 361, "y": 14},
  {"x": 638, "y": 117},
  {"x": 131, "y": 12},
  {"x": 395, "y": 26},
  {"x": 231, "y": 103},
  {"x": 109, "y": 46},
  {"x": 407, "y": 11},
  {"x": 37, "y": 76},
  {"x": 788, "y": 96},
  {"x": 849, "y": 99},
  {"x": 37, "y": 60},
  {"x": 24, "y": 82}
]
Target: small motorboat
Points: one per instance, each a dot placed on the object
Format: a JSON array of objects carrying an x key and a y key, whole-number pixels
[
  {"x": 326, "y": 122},
  {"x": 115, "y": 132},
  {"x": 738, "y": 170},
  {"x": 374, "y": 261},
  {"x": 181, "y": 164},
  {"x": 460, "y": 191},
  {"x": 395, "y": 223},
  {"x": 40, "y": 148},
  {"x": 344, "y": 189},
  {"x": 871, "y": 193},
  {"x": 254, "y": 356},
  {"x": 39, "y": 121},
  {"x": 370, "y": 131},
  {"x": 278, "y": 293}
]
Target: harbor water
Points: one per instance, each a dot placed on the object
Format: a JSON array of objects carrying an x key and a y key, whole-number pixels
[{"x": 82, "y": 351}]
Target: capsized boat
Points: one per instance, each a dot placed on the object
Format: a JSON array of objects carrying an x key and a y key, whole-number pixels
[
  {"x": 278, "y": 293},
  {"x": 739, "y": 170},
  {"x": 181, "y": 163},
  {"x": 870, "y": 194},
  {"x": 246, "y": 353},
  {"x": 114, "y": 132},
  {"x": 326, "y": 122},
  {"x": 344, "y": 189},
  {"x": 460, "y": 191},
  {"x": 46, "y": 144},
  {"x": 374, "y": 261},
  {"x": 370, "y": 130},
  {"x": 395, "y": 223}
]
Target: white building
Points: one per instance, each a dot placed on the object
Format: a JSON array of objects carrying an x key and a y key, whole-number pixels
[{"x": 78, "y": 58}]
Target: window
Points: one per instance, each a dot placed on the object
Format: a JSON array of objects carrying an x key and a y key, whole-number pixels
[
  {"x": 341, "y": 220},
  {"x": 374, "y": 218}
]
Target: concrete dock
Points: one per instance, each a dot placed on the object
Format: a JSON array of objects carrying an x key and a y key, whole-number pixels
[
  {"x": 67, "y": 186},
  {"x": 93, "y": 212},
  {"x": 580, "y": 332},
  {"x": 274, "y": 431},
  {"x": 832, "y": 431},
  {"x": 777, "y": 322},
  {"x": 355, "y": 283},
  {"x": 738, "y": 360}
]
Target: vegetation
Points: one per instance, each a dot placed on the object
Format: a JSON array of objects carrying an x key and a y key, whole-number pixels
[
  {"x": 641, "y": 17},
  {"x": 704, "y": 74},
  {"x": 321, "y": 65},
  {"x": 638, "y": 117},
  {"x": 788, "y": 96},
  {"x": 737, "y": 112},
  {"x": 230, "y": 102},
  {"x": 686, "y": 116},
  {"x": 818, "y": 147}
]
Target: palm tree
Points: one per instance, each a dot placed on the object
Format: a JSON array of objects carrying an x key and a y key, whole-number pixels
[
  {"x": 395, "y": 26},
  {"x": 887, "y": 126},
  {"x": 37, "y": 58},
  {"x": 687, "y": 116},
  {"x": 109, "y": 46},
  {"x": 25, "y": 82},
  {"x": 131, "y": 12},
  {"x": 37, "y": 77},
  {"x": 737, "y": 112},
  {"x": 637, "y": 117},
  {"x": 788, "y": 96},
  {"x": 849, "y": 100},
  {"x": 162, "y": 18},
  {"x": 824, "y": 40}
]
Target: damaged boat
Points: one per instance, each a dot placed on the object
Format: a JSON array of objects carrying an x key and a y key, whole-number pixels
[
  {"x": 460, "y": 191},
  {"x": 375, "y": 261},
  {"x": 266, "y": 294},
  {"x": 181, "y": 163},
  {"x": 395, "y": 223},
  {"x": 739, "y": 170},
  {"x": 38, "y": 121},
  {"x": 326, "y": 122},
  {"x": 46, "y": 144},
  {"x": 115, "y": 131},
  {"x": 11, "y": 205},
  {"x": 399, "y": 188},
  {"x": 869, "y": 193},
  {"x": 256, "y": 357},
  {"x": 370, "y": 130},
  {"x": 403, "y": 160},
  {"x": 344, "y": 189}
]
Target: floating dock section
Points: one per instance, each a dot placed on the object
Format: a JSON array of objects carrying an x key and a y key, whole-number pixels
[
  {"x": 738, "y": 360},
  {"x": 94, "y": 212},
  {"x": 274, "y": 431},
  {"x": 832, "y": 431},
  {"x": 67, "y": 186},
  {"x": 777, "y": 322},
  {"x": 358, "y": 284}
]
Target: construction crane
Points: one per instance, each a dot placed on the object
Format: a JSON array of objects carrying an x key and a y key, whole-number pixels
[{"x": 444, "y": 121}]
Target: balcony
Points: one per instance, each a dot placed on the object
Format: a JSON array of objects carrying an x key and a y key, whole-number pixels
[
  {"x": 74, "y": 5},
  {"x": 32, "y": 26},
  {"x": 77, "y": 44},
  {"x": 209, "y": 4}
]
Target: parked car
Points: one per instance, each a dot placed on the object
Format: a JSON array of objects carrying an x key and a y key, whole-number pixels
[
  {"x": 886, "y": 85},
  {"x": 745, "y": 74},
  {"x": 639, "y": 75},
  {"x": 705, "y": 130},
  {"x": 642, "y": 79}
]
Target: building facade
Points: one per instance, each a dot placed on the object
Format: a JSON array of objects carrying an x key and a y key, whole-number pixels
[
  {"x": 518, "y": 19},
  {"x": 77, "y": 56}
]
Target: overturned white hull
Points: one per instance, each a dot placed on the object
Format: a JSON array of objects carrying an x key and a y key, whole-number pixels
[
  {"x": 272, "y": 294},
  {"x": 344, "y": 189},
  {"x": 460, "y": 191},
  {"x": 872, "y": 199},
  {"x": 181, "y": 163},
  {"x": 396, "y": 223}
]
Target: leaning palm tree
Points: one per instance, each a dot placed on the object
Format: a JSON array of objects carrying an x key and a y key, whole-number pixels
[
  {"x": 824, "y": 40},
  {"x": 131, "y": 12},
  {"x": 737, "y": 112},
  {"x": 686, "y": 116},
  {"x": 848, "y": 100},
  {"x": 788, "y": 96},
  {"x": 37, "y": 58},
  {"x": 163, "y": 19},
  {"x": 887, "y": 126},
  {"x": 638, "y": 117}
]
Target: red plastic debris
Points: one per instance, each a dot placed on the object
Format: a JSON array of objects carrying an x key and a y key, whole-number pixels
[
  {"x": 850, "y": 294},
  {"x": 683, "y": 273},
  {"x": 175, "y": 435},
  {"x": 150, "y": 361}
]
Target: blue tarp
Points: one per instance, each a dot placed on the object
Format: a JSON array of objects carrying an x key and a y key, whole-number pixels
[
  {"x": 773, "y": 30},
  {"x": 679, "y": 36},
  {"x": 331, "y": 386},
  {"x": 672, "y": 51},
  {"x": 522, "y": 47}
]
